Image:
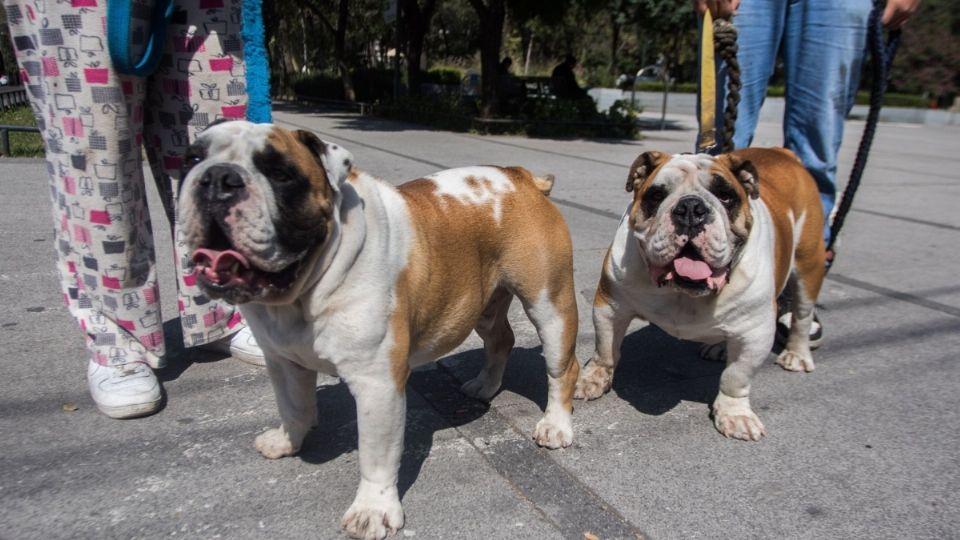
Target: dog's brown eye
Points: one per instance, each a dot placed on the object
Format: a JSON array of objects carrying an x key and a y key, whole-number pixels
[
  {"x": 723, "y": 192},
  {"x": 191, "y": 157},
  {"x": 655, "y": 194},
  {"x": 652, "y": 197},
  {"x": 728, "y": 200}
]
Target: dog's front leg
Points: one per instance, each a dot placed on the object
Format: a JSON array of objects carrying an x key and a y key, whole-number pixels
[
  {"x": 732, "y": 414},
  {"x": 610, "y": 322},
  {"x": 381, "y": 413},
  {"x": 295, "y": 389}
]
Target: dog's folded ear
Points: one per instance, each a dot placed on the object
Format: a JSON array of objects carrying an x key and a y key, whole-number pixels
[
  {"x": 746, "y": 173},
  {"x": 642, "y": 167},
  {"x": 336, "y": 160}
]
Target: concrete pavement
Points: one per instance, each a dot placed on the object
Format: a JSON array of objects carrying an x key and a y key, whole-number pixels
[{"x": 866, "y": 446}]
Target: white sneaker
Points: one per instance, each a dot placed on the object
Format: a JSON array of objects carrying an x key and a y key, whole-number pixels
[
  {"x": 124, "y": 391},
  {"x": 241, "y": 345}
]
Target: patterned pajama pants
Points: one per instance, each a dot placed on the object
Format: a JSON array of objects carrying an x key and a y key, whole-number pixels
[{"x": 95, "y": 122}]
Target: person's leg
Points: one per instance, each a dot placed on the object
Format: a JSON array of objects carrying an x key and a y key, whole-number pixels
[
  {"x": 200, "y": 79},
  {"x": 90, "y": 119},
  {"x": 823, "y": 55},
  {"x": 760, "y": 27}
]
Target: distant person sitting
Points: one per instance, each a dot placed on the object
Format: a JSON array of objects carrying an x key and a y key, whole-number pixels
[
  {"x": 563, "y": 82},
  {"x": 505, "y": 66},
  {"x": 509, "y": 85}
]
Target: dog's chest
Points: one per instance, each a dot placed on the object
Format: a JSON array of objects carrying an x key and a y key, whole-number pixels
[
  {"x": 683, "y": 317},
  {"x": 320, "y": 344}
]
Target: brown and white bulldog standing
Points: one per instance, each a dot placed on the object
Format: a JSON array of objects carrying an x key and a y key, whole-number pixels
[
  {"x": 703, "y": 251},
  {"x": 341, "y": 273}
]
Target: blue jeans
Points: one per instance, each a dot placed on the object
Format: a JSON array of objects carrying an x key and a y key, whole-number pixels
[{"x": 822, "y": 46}]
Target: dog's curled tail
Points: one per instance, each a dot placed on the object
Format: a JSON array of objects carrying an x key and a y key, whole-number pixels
[{"x": 544, "y": 183}]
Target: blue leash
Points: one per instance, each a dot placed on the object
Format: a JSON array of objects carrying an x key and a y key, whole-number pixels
[
  {"x": 118, "y": 37},
  {"x": 255, "y": 55}
]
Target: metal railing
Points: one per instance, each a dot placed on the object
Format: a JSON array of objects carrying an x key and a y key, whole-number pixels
[
  {"x": 11, "y": 96},
  {"x": 5, "y": 136},
  {"x": 362, "y": 107}
]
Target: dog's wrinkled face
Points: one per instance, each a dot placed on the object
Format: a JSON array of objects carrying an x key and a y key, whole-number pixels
[
  {"x": 256, "y": 201},
  {"x": 691, "y": 217}
]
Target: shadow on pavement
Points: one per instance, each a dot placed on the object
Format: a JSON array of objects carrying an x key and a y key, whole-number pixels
[
  {"x": 657, "y": 372},
  {"x": 355, "y": 122},
  {"x": 179, "y": 359},
  {"x": 336, "y": 433}
]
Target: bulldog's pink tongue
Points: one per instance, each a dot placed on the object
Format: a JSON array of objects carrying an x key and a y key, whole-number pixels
[
  {"x": 692, "y": 269},
  {"x": 219, "y": 266}
]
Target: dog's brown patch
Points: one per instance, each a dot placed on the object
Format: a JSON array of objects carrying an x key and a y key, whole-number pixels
[
  {"x": 787, "y": 188},
  {"x": 304, "y": 149},
  {"x": 460, "y": 257},
  {"x": 642, "y": 172},
  {"x": 605, "y": 287},
  {"x": 400, "y": 328}
]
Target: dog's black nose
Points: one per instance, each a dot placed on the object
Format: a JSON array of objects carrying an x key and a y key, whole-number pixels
[
  {"x": 691, "y": 212},
  {"x": 221, "y": 182}
]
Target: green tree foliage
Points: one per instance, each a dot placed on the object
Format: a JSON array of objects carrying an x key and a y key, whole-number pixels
[
  {"x": 349, "y": 38},
  {"x": 334, "y": 37},
  {"x": 929, "y": 56}
]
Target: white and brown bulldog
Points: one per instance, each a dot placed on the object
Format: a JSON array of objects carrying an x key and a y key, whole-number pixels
[
  {"x": 341, "y": 273},
  {"x": 703, "y": 251}
]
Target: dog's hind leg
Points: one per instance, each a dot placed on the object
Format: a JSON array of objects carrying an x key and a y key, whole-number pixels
[
  {"x": 494, "y": 328},
  {"x": 804, "y": 285},
  {"x": 295, "y": 389},
  {"x": 796, "y": 355},
  {"x": 554, "y": 314}
]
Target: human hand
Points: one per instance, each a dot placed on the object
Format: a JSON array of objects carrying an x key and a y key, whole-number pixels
[
  {"x": 720, "y": 9},
  {"x": 898, "y": 11}
]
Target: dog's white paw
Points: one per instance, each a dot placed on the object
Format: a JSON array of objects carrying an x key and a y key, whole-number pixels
[
  {"x": 481, "y": 387},
  {"x": 554, "y": 431},
  {"x": 715, "y": 353},
  {"x": 373, "y": 514},
  {"x": 734, "y": 418},
  {"x": 746, "y": 427},
  {"x": 793, "y": 361},
  {"x": 274, "y": 444},
  {"x": 594, "y": 381}
]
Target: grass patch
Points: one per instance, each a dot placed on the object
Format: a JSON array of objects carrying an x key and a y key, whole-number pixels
[{"x": 22, "y": 144}]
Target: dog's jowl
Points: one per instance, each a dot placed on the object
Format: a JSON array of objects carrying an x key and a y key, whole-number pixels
[
  {"x": 703, "y": 252},
  {"x": 341, "y": 273}
]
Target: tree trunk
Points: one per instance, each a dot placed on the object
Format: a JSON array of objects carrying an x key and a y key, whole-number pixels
[
  {"x": 339, "y": 51},
  {"x": 6, "y": 51},
  {"x": 526, "y": 45},
  {"x": 614, "y": 43},
  {"x": 417, "y": 22},
  {"x": 526, "y": 62},
  {"x": 271, "y": 23},
  {"x": 492, "y": 16}
]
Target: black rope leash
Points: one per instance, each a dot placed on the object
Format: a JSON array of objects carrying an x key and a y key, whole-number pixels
[
  {"x": 725, "y": 48},
  {"x": 882, "y": 55}
]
